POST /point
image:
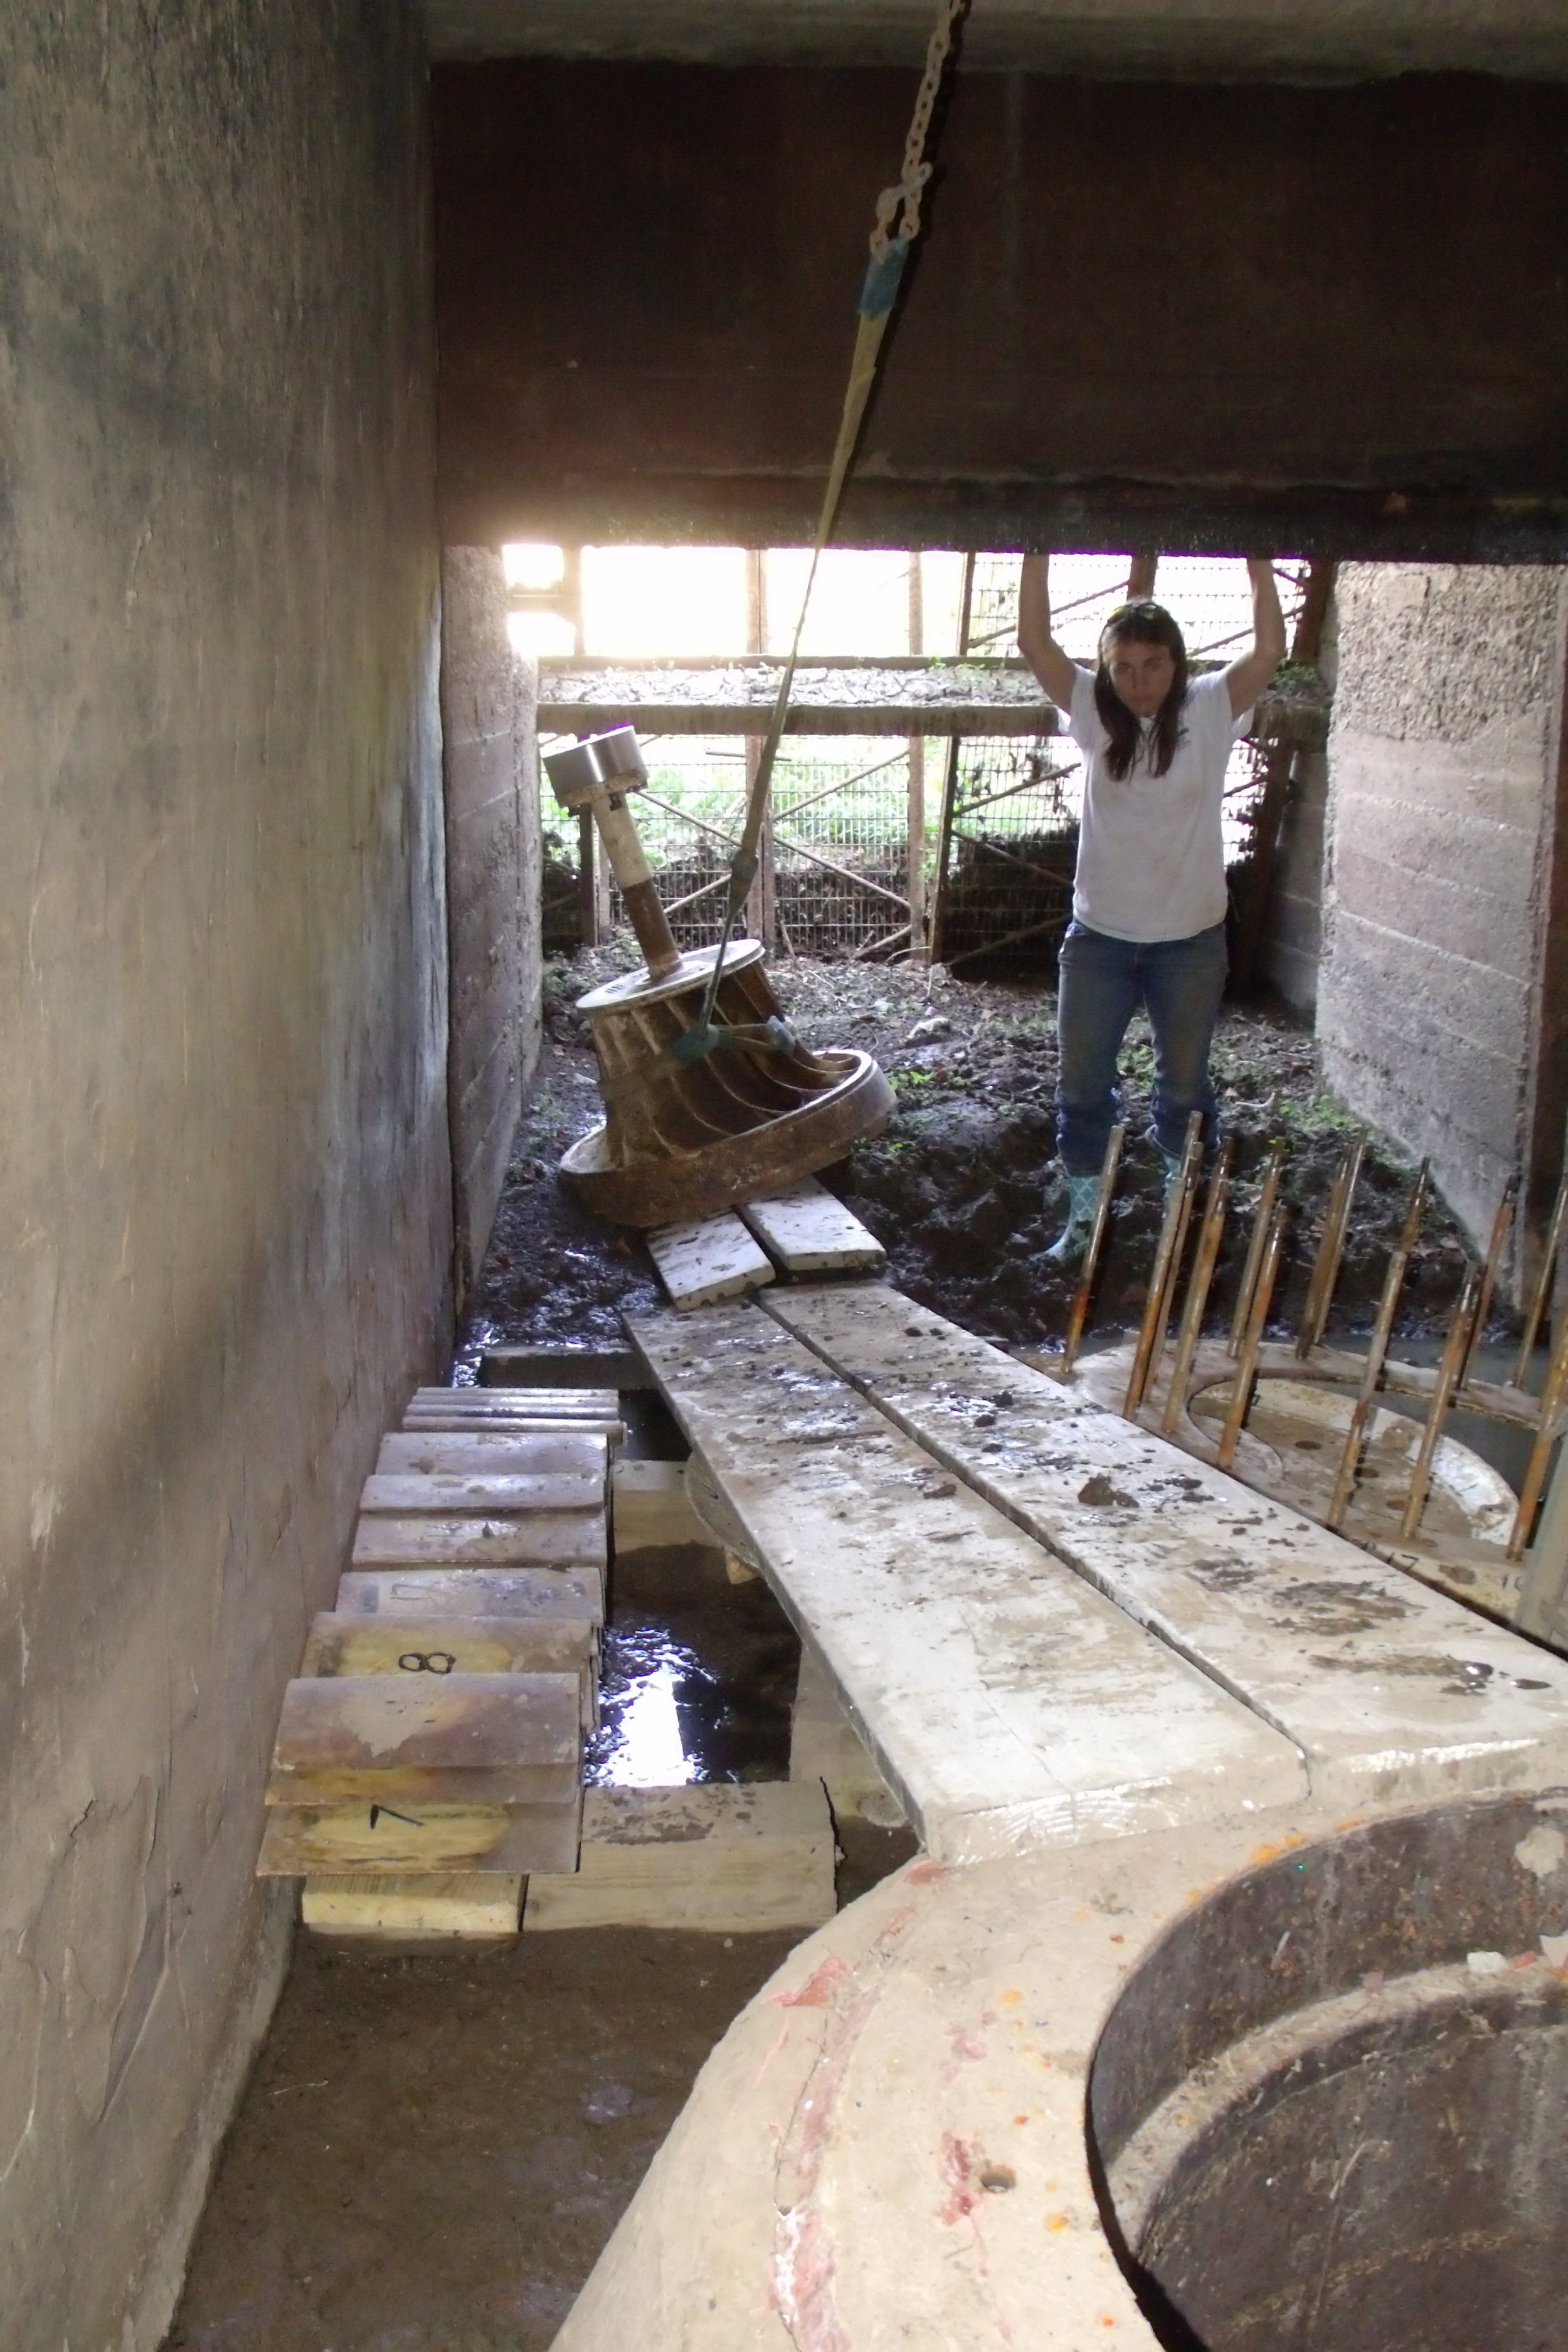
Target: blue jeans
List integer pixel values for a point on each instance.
(1102, 982)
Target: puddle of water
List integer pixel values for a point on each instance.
(641, 1742)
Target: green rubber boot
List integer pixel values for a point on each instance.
(1173, 1160)
(1072, 1243)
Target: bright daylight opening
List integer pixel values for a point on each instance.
(963, 842)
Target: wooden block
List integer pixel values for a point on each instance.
(463, 1494)
(825, 1746)
(351, 1644)
(494, 1453)
(519, 1403)
(429, 1738)
(649, 1508)
(564, 1367)
(805, 1231)
(436, 1423)
(512, 1839)
(542, 1538)
(562, 1592)
(518, 1412)
(733, 1861)
(412, 1909)
(712, 1258)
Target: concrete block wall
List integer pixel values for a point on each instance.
(1446, 934)
(493, 851)
(224, 1160)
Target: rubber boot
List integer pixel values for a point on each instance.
(1083, 1191)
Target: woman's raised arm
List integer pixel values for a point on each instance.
(1057, 671)
(1247, 677)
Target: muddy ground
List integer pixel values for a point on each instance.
(961, 1189)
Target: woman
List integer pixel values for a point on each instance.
(1148, 894)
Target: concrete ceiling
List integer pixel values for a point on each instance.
(1198, 39)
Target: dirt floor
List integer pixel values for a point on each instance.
(436, 2144)
(961, 1189)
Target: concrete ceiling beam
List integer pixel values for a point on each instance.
(1209, 40)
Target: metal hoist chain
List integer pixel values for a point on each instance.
(890, 249)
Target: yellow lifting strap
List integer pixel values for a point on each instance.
(891, 246)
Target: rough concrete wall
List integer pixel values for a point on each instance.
(490, 757)
(223, 1180)
(1293, 944)
(1444, 936)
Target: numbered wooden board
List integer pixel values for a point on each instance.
(437, 1591)
(497, 1539)
(349, 1642)
(494, 1452)
(455, 1493)
(511, 1840)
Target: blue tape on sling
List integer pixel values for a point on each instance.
(883, 271)
(770, 1036)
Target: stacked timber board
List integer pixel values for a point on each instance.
(430, 1752)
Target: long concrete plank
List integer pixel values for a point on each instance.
(1008, 1704)
(1392, 1691)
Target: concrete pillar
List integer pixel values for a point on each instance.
(1440, 1004)
(493, 854)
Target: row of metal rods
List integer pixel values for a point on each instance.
(1249, 1320)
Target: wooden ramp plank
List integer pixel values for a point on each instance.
(521, 1540)
(732, 1861)
(412, 1909)
(806, 1230)
(1390, 1689)
(468, 1493)
(1007, 1704)
(511, 1840)
(429, 1738)
(708, 1259)
(494, 1453)
(564, 1592)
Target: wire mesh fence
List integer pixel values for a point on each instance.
(837, 863)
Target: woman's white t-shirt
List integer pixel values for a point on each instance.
(1151, 860)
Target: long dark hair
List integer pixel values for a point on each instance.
(1144, 624)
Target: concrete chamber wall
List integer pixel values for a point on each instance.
(1441, 1001)
(489, 699)
(224, 1177)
